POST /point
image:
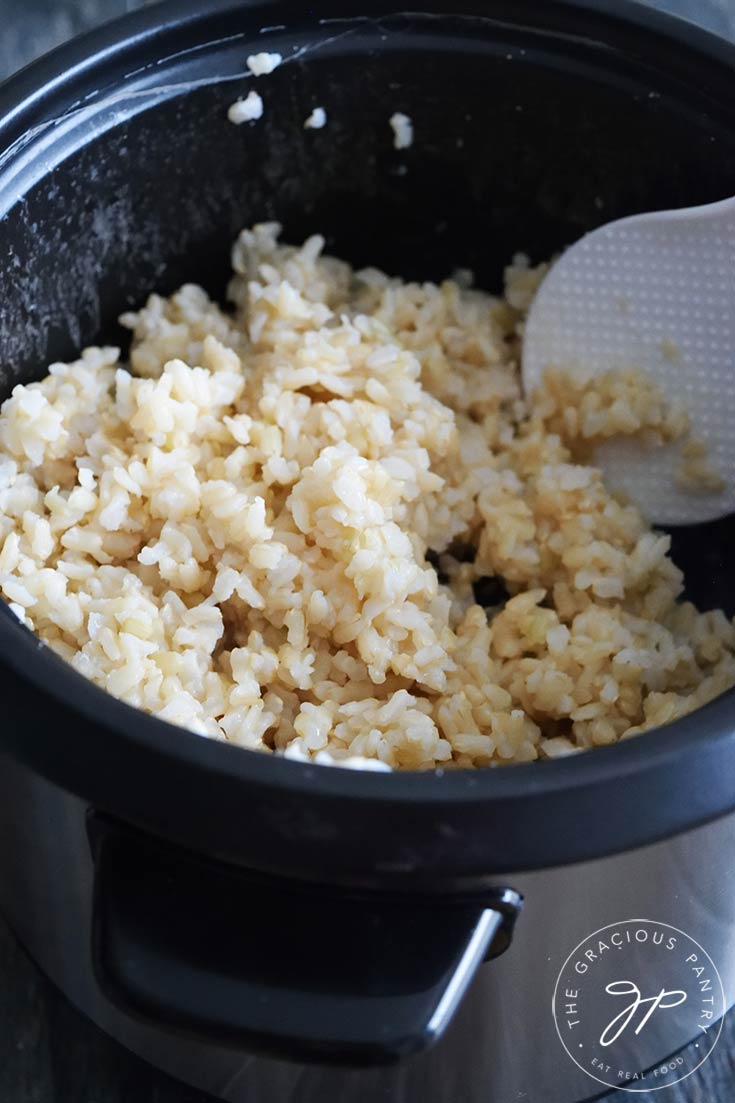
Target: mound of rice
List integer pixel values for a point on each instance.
(275, 527)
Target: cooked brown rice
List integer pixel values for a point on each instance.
(274, 530)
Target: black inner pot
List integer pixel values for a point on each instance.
(535, 120)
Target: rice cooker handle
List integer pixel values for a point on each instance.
(265, 964)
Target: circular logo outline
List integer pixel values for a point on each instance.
(647, 1088)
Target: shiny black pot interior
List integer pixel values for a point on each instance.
(534, 120)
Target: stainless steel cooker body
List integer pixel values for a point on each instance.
(503, 1043)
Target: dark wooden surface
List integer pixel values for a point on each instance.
(48, 1052)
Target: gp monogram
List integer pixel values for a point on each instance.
(622, 1021)
(630, 995)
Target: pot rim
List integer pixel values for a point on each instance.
(698, 747)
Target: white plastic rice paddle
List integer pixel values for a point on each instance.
(654, 292)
